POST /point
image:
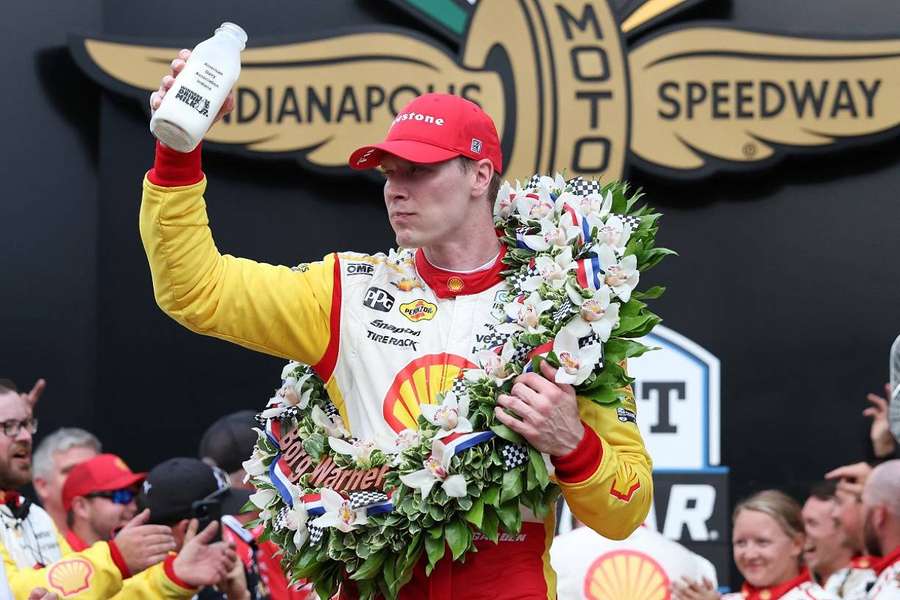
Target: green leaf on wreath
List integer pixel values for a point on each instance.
(649, 294)
(507, 434)
(458, 537)
(492, 496)
(434, 549)
(475, 515)
(512, 485)
(315, 445)
(510, 517)
(370, 567)
(490, 525)
(540, 467)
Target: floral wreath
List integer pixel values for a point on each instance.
(575, 251)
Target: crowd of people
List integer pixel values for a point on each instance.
(101, 530)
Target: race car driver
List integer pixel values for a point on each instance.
(371, 323)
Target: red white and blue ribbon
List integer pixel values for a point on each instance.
(541, 350)
(458, 442)
(313, 504)
(589, 273)
(579, 221)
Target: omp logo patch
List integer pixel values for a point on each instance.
(378, 299)
(418, 310)
(357, 268)
(626, 574)
(68, 577)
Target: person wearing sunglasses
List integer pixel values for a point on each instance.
(99, 497)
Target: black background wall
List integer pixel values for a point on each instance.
(788, 275)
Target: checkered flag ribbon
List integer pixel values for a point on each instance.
(331, 410)
(514, 455)
(493, 339)
(565, 309)
(580, 187)
(631, 221)
(362, 499)
(533, 183)
(521, 353)
(517, 279)
(459, 387)
(315, 533)
(279, 521)
(587, 340)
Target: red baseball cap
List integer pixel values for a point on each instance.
(434, 128)
(103, 473)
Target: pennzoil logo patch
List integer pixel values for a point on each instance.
(68, 577)
(418, 310)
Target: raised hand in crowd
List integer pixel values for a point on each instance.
(202, 562)
(165, 85)
(143, 545)
(851, 478)
(883, 442)
(234, 584)
(31, 398)
(690, 589)
(41, 593)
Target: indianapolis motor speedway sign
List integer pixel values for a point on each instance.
(571, 85)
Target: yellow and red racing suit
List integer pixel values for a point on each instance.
(386, 334)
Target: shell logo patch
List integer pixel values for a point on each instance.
(418, 310)
(71, 576)
(420, 382)
(626, 575)
(455, 284)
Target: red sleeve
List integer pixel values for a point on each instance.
(118, 559)
(175, 169)
(583, 461)
(169, 568)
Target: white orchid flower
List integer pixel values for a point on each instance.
(533, 206)
(596, 315)
(333, 426)
(553, 235)
(397, 443)
(296, 517)
(451, 415)
(494, 366)
(263, 499)
(595, 206)
(359, 450)
(614, 232)
(292, 391)
(525, 315)
(621, 275)
(553, 271)
(253, 466)
(435, 469)
(552, 183)
(575, 364)
(339, 513)
(288, 370)
(504, 204)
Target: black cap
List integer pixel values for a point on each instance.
(172, 487)
(229, 441)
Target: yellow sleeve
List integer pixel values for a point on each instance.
(154, 583)
(87, 575)
(272, 309)
(607, 480)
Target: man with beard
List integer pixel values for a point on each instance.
(36, 555)
(830, 555)
(54, 457)
(881, 527)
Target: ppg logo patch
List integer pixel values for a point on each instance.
(378, 299)
(476, 145)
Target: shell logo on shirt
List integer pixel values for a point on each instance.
(70, 576)
(417, 383)
(626, 575)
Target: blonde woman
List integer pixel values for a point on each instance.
(767, 542)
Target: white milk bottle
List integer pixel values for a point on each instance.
(192, 103)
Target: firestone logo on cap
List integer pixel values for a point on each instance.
(414, 116)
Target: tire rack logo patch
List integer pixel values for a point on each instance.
(591, 95)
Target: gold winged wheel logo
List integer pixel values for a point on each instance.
(566, 91)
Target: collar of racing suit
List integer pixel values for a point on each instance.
(887, 561)
(750, 592)
(449, 284)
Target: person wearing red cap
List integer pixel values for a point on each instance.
(35, 555)
(370, 324)
(99, 497)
